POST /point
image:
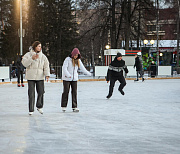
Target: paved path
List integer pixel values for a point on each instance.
(144, 121)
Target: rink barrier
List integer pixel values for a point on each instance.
(165, 70)
(4, 72)
(86, 80)
(101, 71)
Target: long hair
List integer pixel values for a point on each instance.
(75, 62)
(35, 44)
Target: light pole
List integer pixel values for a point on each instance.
(21, 48)
(145, 42)
(152, 42)
(157, 30)
(107, 47)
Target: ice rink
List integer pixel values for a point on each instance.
(144, 121)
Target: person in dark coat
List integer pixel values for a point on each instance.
(139, 66)
(20, 70)
(115, 72)
(0, 62)
(13, 69)
(153, 69)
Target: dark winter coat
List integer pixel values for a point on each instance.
(13, 66)
(116, 68)
(153, 70)
(138, 64)
(20, 67)
(0, 63)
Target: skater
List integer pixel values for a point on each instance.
(139, 66)
(20, 70)
(70, 76)
(37, 68)
(115, 72)
(13, 69)
(153, 69)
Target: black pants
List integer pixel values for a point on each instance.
(31, 93)
(20, 74)
(66, 87)
(153, 71)
(139, 73)
(122, 81)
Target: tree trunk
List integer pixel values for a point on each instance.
(113, 24)
(92, 49)
(128, 23)
(139, 28)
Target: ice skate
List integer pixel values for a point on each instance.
(64, 109)
(122, 92)
(19, 85)
(108, 96)
(75, 110)
(136, 80)
(22, 85)
(40, 110)
(31, 113)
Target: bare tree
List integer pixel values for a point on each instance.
(120, 17)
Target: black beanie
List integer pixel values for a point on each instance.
(119, 54)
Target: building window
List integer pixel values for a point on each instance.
(151, 27)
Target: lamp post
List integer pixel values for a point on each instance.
(157, 30)
(107, 56)
(145, 42)
(152, 42)
(21, 51)
(107, 46)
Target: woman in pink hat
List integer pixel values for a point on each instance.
(70, 76)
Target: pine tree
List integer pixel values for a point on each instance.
(58, 29)
(50, 21)
(10, 39)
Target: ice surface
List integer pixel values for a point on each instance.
(145, 120)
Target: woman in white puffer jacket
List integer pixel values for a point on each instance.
(37, 68)
(70, 77)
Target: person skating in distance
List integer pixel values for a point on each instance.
(115, 72)
(20, 70)
(139, 66)
(70, 76)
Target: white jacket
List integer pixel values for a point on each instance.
(69, 72)
(36, 69)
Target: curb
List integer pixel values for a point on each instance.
(85, 80)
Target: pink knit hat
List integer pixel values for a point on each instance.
(74, 52)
